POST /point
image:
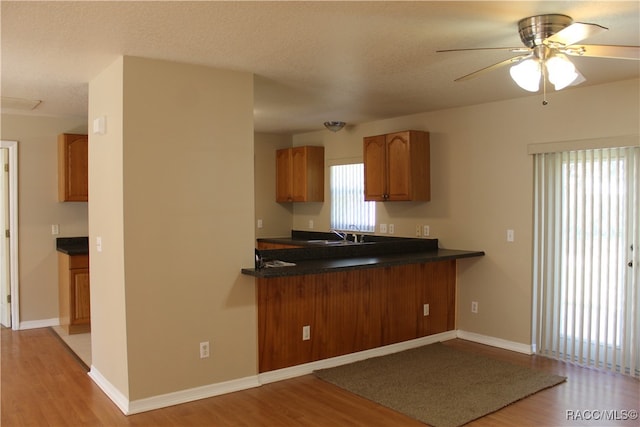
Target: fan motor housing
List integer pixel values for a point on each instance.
(534, 29)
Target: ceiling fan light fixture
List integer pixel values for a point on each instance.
(561, 71)
(334, 126)
(527, 74)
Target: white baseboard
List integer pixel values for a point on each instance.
(307, 368)
(121, 401)
(197, 393)
(164, 400)
(42, 323)
(496, 342)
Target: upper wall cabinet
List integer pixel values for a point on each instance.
(396, 167)
(73, 168)
(300, 174)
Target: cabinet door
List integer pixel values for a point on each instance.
(73, 168)
(283, 175)
(398, 166)
(375, 170)
(299, 180)
(300, 174)
(80, 296)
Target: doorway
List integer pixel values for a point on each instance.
(9, 316)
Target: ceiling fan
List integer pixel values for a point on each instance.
(548, 40)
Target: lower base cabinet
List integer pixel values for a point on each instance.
(73, 293)
(351, 311)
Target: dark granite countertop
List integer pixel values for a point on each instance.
(318, 266)
(375, 252)
(73, 245)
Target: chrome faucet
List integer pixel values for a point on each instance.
(340, 234)
(355, 236)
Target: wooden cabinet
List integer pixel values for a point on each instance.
(397, 167)
(73, 168)
(300, 174)
(271, 245)
(73, 293)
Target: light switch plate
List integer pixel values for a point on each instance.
(510, 236)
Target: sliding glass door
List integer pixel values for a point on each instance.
(587, 215)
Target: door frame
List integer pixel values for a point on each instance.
(12, 147)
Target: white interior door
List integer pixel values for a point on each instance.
(9, 315)
(5, 266)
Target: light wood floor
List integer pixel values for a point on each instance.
(43, 384)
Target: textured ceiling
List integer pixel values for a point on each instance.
(313, 61)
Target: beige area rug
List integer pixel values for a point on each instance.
(78, 344)
(439, 385)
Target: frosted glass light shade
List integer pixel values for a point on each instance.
(334, 126)
(561, 71)
(527, 74)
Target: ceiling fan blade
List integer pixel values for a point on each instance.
(521, 49)
(573, 34)
(604, 51)
(492, 67)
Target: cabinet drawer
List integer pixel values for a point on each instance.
(79, 261)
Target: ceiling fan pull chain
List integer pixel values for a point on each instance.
(544, 85)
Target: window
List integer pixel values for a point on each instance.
(349, 211)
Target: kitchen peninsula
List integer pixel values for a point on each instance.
(342, 297)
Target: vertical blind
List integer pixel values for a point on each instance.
(349, 211)
(587, 215)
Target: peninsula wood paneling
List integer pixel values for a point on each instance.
(351, 311)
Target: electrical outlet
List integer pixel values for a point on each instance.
(383, 228)
(259, 223)
(392, 228)
(55, 229)
(425, 310)
(425, 231)
(204, 349)
(474, 307)
(311, 224)
(306, 333)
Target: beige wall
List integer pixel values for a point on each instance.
(277, 218)
(106, 213)
(482, 181)
(185, 199)
(38, 209)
